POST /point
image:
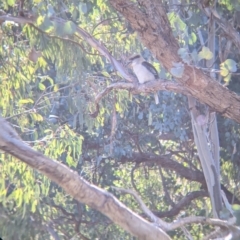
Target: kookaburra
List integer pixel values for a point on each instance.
(144, 71)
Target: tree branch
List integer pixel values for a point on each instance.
(150, 21)
(156, 220)
(148, 87)
(77, 187)
(184, 202)
(182, 221)
(226, 27)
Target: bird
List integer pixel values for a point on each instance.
(144, 71)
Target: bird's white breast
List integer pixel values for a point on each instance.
(142, 73)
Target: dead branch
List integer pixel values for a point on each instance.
(181, 221)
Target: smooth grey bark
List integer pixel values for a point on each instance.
(77, 187)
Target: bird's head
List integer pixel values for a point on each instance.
(135, 59)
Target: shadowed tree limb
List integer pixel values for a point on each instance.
(151, 23)
(154, 30)
(77, 187)
(224, 225)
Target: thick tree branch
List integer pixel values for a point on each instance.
(167, 163)
(151, 23)
(144, 208)
(184, 202)
(156, 35)
(77, 187)
(155, 216)
(150, 86)
(86, 36)
(182, 221)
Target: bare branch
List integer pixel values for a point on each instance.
(184, 202)
(148, 87)
(155, 219)
(227, 28)
(86, 36)
(182, 221)
(155, 33)
(77, 187)
(164, 184)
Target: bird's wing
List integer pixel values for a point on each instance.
(150, 68)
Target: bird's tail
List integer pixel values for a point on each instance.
(156, 98)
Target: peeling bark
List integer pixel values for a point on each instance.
(149, 19)
(77, 187)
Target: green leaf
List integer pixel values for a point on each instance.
(226, 68)
(75, 14)
(70, 161)
(34, 206)
(25, 101)
(10, 2)
(227, 78)
(230, 64)
(224, 71)
(58, 28)
(205, 53)
(105, 74)
(44, 23)
(41, 86)
(37, 117)
(192, 38)
(69, 28)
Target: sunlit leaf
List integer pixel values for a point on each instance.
(25, 101)
(44, 23)
(224, 71)
(192, 38)
(230, 64)
(205, 53)
(11, 2)
(34, 206)
(41, 86)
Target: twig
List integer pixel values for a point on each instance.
(155, 219)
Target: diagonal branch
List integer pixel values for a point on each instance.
(145, 209)
(184, 202)
(226, 26)
(77, 187)
(235, 231)
(85, 35)
(155, 33)
(151, 23)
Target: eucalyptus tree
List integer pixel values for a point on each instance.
(68, 93)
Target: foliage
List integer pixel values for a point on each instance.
(49, 79)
